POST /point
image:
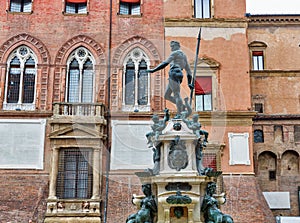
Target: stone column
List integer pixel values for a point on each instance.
(96, 174)
(53, 174)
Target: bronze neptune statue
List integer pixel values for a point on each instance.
(178, 62)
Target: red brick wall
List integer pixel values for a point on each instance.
(121, 189)
(245, 201)
(23, 197)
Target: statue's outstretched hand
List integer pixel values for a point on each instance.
(150, 71)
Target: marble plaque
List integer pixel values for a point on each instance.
(22, 143)
(278, 200)
(239, 148)
(129, 145)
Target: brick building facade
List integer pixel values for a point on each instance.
(76, 102)
(274, 92)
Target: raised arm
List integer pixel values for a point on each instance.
(162, 65)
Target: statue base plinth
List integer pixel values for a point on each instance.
(178, 179)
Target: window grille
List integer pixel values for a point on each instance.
(136, 81)
(259, 107)
(21, 79)
(210, 160)
(29, 81)
(258, 136)
(82, 8)
(76, 8)
(20, 5)
(80, 77)
(130, 8)
(14, 81)
(74, 81)
(75, 174)
(130, 83)
(27, 6)
(87, 82)
(143, 83)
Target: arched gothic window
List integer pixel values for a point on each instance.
(136, 82)
(20, 80)
(80, 78)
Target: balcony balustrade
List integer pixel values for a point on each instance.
(78, 109)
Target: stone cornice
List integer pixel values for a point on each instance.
(229, 118)
(273, 20)
(275, 73)
(262, 117)
(26, 114)
(215, 118)
(217, 23)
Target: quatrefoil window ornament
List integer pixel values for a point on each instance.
(81, 53)
(23, 51)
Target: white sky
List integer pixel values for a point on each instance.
(273, 6)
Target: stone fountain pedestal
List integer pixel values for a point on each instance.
(177, 183)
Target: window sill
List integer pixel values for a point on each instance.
(75, 14)
(18, 107)
(129, 16)
(19, 13)
(136, 108)
(210, 18)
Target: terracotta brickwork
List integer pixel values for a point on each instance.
(224, 53)
(244, 196)
(53, 35)
(276, 89)
(23, 197)
(121, 189)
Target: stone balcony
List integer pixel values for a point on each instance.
(78, 109)
(87, 114)
(77, 126)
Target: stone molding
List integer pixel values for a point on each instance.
(25, 38)
(74, 42)
(118, 57)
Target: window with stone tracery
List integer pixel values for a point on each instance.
(136, 82)
(80, 78)
(20, 83)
